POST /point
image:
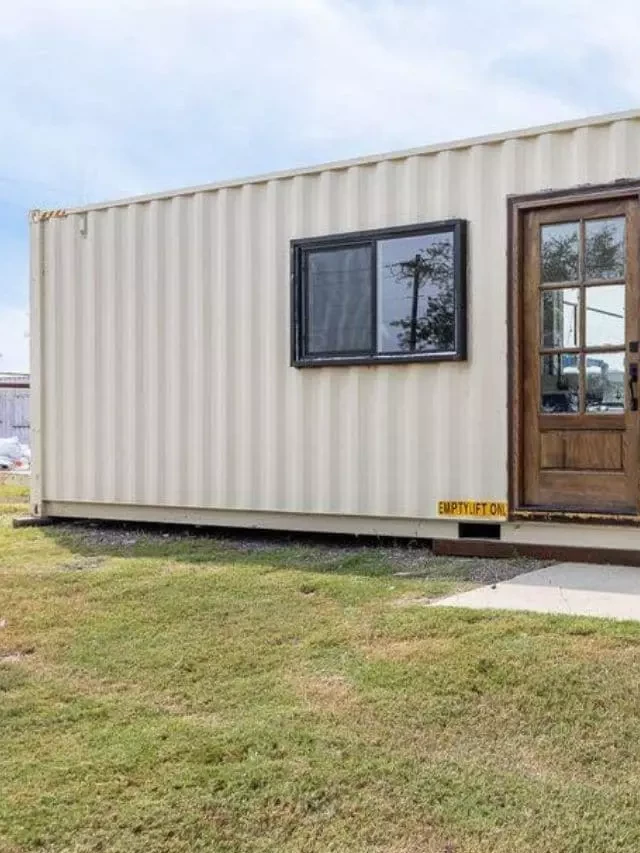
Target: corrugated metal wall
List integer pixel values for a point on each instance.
(164, 349)
(14, 413)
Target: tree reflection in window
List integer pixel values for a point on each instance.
(604, 249)
(393, 294)
(560, 252)
(418, 299)
(578, 320)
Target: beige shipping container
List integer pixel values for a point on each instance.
(163, 387)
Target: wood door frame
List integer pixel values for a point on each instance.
(517, 207)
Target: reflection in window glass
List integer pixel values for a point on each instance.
(559, 383)
(560, 317)
(339, 294)
(605, 315)
(416, 298)
(604, 248)
(560, 252)
(605, 379)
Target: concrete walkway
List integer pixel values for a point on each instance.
(576, 589)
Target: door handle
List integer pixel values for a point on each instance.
(633, 382)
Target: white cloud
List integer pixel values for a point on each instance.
(14, 342)
(115, 97)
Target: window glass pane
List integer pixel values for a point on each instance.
(605, 382)
(559, 383)
(416, 294)
(605, 315)
(604, 248)
(560, 252)
(339, 301)
(560, 317)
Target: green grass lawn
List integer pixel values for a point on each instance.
(13, 490)
(185, 694)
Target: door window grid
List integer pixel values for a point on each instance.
(582, 357)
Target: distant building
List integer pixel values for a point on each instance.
(14, 406)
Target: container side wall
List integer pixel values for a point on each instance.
(164, 341)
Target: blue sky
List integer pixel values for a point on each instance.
(103, 98)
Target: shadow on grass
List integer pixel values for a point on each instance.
(368, 556)
(277, 550)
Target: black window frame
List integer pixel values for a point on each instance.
(299, 249)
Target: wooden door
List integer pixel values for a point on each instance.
(579, 350)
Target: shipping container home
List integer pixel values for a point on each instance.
(14, 406)
(439, 343)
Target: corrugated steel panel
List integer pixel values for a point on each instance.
(14, 413)
(164, 339)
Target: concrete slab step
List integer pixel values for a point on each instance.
(575, 589)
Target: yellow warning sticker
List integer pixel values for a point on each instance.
(474, 509)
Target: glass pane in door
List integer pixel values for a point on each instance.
(560, 317)
(559, 383)
(605, 379)
(605, 315)
(560, 249)
(604, 248)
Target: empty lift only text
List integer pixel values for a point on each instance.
(495, 510)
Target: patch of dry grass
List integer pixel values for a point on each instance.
(326, 694)
(14, 489)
